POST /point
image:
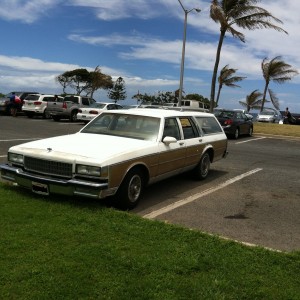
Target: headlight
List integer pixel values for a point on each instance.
(88, 170)
(15, 158)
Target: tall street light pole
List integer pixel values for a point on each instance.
(183, 50)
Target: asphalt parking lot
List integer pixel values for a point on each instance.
(252, 196)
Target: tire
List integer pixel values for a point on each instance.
(73, 117)
(131, 189)
(202, 169)
(250, 133)
(46, 115)
(56, 118)
(236, 134)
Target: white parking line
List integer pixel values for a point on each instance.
(198, 195)
(1, 156)
(261, 138)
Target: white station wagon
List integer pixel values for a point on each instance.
(119, 153)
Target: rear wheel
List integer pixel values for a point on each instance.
(236, 134)
(46, 114)
(73, 117)
(202, 169)
(131, 189)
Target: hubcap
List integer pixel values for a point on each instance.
(134, 188)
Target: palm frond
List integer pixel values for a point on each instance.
(274, 99)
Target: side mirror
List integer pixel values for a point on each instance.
(168, 140)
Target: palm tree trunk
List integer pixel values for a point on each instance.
(264, 96)
(214, 76)
(218, 96)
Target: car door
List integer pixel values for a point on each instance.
(171, 157)
(193, 142)
(245, 123)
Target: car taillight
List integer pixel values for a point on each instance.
(37, 103)
(79, 110)
(228, 122)
(93, 112)
(64, 105)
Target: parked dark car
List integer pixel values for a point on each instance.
(5, 105)
(234, 123)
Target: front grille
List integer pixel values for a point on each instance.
(48, 167)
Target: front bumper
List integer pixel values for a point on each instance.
(48, 185)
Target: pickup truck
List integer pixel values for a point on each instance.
(68, 107)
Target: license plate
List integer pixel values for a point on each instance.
(40, 188)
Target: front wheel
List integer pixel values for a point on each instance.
(250, 131)
(131, 189)
(202, 169)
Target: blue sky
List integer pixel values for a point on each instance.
(140, 40)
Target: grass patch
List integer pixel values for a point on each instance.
(64, 248)
(277, 129)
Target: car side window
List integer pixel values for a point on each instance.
(188, 128)
(92, 101)
(208, 125)
(171, 128)
(85, 101)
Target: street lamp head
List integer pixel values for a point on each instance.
(197, 10)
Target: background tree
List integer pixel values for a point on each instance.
(278, 71)
(79, 79)
(117, 92)
(98, 80)
(226, 78)
(63, 81)
(138, 97)
(84, 81)
(253, 100)
(165, 97)
(244, 14)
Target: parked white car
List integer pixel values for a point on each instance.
(269, 115)
(86, 114)
(118, 153)
(36, 104)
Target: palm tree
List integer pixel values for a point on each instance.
(278, 71)
(242, 13)
(227, 79)
(253, 100)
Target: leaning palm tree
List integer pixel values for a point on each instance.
(253, 100)
(242, 13)
(226, 78)
(278, 71)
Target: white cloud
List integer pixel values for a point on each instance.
(25, 11)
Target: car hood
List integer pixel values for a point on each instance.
(83, 147)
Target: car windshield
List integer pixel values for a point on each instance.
(97, 105)
(124, 125)
(269, 113)
(32, 97)
(224, 114)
